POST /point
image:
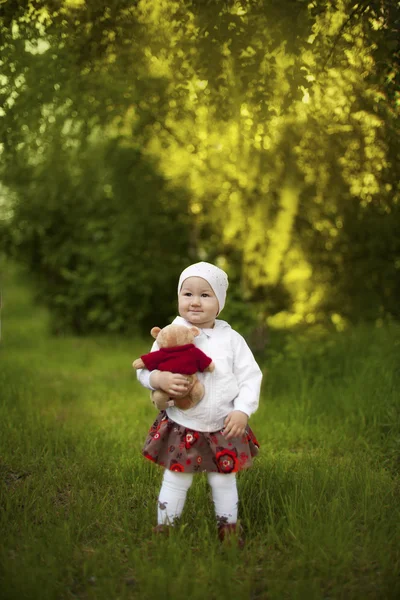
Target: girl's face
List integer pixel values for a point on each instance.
(197, 302)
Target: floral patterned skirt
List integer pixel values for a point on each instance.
(178, 448)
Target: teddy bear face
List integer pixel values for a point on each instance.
(174, 335)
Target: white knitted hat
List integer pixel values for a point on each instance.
(216, 277)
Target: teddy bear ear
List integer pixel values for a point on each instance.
(155, 331)
(195, 330)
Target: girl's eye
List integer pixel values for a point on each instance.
(187, 294)
(206, 295)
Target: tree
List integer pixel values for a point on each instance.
(278, 119)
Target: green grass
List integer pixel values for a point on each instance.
(321, 507)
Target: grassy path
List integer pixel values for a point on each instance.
(321, 507)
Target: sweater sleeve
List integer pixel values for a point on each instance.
(202, 359)
(248, 375)
(152, 359)
(143, 375)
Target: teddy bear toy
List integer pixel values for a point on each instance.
(177, 354)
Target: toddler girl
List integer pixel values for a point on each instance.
(212, 436)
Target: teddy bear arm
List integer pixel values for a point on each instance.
(210, 368)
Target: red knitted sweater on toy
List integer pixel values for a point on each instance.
(185, 359)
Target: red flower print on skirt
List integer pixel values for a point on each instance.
(147, 455)
(178, 448)
(227, 460)
(175, 466)
(191, 438)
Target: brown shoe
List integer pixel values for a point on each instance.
(230, 532)
(161, 529)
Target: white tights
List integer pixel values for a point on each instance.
(171, 499)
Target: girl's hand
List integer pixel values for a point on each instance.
(174, 384)
(235, 424)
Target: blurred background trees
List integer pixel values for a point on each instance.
(139, 136)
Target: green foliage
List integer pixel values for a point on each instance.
(270, 126)
(93, 229)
